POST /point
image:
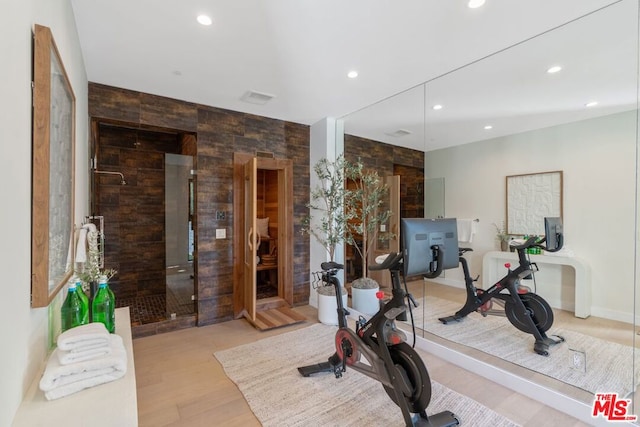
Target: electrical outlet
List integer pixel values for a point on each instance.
(221, 233)
(578, 360)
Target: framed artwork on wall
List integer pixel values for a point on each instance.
(531, 198)
(53, 163)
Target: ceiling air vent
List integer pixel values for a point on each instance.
(253, 97)
(399, 133)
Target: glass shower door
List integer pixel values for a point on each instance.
(179, 235)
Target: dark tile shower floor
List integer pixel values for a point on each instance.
(155, 308)
(145, 309)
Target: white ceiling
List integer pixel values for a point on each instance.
(301, 50)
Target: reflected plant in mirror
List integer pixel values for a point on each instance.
(502, 237)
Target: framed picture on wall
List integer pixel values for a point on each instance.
(53, 163)
(531, 198)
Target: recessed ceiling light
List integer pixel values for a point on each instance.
(488, 127)
(352, 74)
(204, 20)
(437, 107)
(475, 3)
(554, 69)
(591, 104)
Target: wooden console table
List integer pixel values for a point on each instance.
(111, 404)
(493, 270)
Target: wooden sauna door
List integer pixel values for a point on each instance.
(246, 169)
(250, 238)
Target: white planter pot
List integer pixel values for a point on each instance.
(328, 308)
(365, 300)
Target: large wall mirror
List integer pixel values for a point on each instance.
(505, 115)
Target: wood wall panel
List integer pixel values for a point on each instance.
(211, 119)
(168, 113)
(407, 163)
(114, 103)
(411, 191)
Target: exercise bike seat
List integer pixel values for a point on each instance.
(331, 265)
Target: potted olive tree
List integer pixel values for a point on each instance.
(364, 206)
(326, 222)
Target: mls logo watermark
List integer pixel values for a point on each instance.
(612, 408)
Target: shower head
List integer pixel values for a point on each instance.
(122, 181)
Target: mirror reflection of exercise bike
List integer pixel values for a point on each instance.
(527, 311)
(379, 350)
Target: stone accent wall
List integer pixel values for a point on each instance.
(407, 163)
(219, 133)
(380, 156)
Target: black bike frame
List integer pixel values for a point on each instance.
(509, 283)
(375, 349)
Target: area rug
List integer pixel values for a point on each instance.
(266, 373)
(608, 367)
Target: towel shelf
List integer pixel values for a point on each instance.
(79, 409)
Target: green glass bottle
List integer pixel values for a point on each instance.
(112, 313)
(71, 311)
(102, 306)
(85, 302)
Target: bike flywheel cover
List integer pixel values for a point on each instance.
(344, 338)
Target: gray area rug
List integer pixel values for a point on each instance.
(266, 373)
(609, 366)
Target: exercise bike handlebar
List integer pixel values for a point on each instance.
(533, 242)
(392, 261)
(529, 243)
(439, 257)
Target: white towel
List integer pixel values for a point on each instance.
(81, 246)
(84, 337)
(80, 355)
(62, 380)
(466, 229)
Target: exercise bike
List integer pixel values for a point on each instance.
(525, 310)
(389, 359)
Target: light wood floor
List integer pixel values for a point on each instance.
(180, 383)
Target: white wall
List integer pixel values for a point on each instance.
(598, 160)
(24, 331)
(326, 141)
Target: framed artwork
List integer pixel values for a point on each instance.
(53, 163)
(531, 198)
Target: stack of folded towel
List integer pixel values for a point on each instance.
(86, 356)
